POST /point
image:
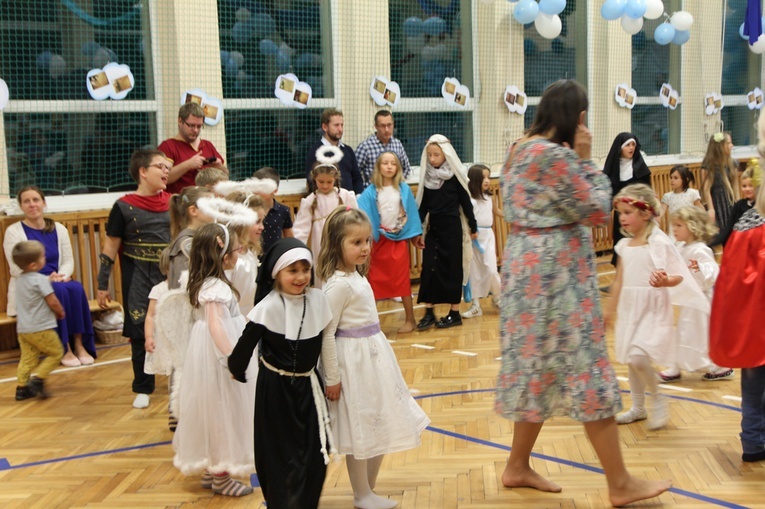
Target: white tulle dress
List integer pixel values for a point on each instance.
(375, 414)
(215, 430)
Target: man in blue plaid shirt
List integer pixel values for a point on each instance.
(382, 141)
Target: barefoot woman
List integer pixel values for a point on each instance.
(554, 359)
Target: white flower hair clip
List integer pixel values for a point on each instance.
(226, 212)
(249, 186)
(329, 155)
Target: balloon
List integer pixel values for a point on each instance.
(282, 62)
(525, 11)
(243, 14)
(632, 25)
(263, 25)
(664, 34)
(552, 7)
(224, 55)
(653, 9)
(89, 48)
(548, 26)
(741, 32)
(681, 20)
(241, 32)
(681, 37)
(759, 46)
(237, 57)
(434, 26)
(613, 9)
(635, 8)
(43, 59)
(413, 27)
(268, 47)
(57, 66)
(232, 70)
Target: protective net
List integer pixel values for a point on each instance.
(71, 130)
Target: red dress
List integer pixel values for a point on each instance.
(737, 335)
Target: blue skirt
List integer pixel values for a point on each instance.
(78, 319)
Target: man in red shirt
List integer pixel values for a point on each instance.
(187, 151)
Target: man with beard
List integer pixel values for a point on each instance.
(187, 151)
(332, 125)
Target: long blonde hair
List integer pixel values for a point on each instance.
(255, 203)
(335, 230)
(377, 178)
(643, 198)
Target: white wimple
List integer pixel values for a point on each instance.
(226, 212)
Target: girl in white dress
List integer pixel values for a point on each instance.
(650, 278)
(693, 229)
(375, 413)
(215, 435)
(314, 208)
(245, 273)
(681, 195)
(484, 277)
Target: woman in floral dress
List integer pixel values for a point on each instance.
(554, 359)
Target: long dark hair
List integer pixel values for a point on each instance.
(559, 109)
(206, 258)
(475, 181)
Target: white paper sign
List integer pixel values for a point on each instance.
(455, 93)
(113, 81)
(292, 92)
(384, 92)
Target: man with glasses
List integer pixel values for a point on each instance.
(381, 141)
(187, 151)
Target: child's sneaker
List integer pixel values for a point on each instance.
(631, 415)
(720, 374)
(659, 412)
(24, 392)
(37, 385)
(668, 376)
(475, 310)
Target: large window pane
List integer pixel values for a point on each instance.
(74, 153)
(47, 48)
(414, 129)
(429, 41)
(650, 123)
(260, 41)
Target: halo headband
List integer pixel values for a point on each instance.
(290, 257)
(226, 241)
(249, 186)
(638, 204)
(226, 212)
(329, 155)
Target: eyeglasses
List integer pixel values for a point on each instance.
(194, 127)
(159, 166)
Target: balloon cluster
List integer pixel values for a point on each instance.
(759, 46)
(544, 14)
(675, 30)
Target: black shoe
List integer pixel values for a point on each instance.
(449, 321)
(752, 457)
(23, 393)
(38, 386)
(428, 321)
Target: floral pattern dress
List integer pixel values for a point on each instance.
(554, 358)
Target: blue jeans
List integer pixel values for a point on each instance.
(753, 410)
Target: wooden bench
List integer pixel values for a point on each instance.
(87, 233)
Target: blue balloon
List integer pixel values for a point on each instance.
(613, 9)
(241, 32)
(43, 59)
(268, 47)
(232, 69)
(741, 32)
(664, 34)
(552, 7)
(224, 56)
(681, 37)
(262, 25)
(434, 26)
(90, 48)
(283, 62)
(635, 8)
(526, 11)
(413, 27)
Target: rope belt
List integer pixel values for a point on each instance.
(325, 431)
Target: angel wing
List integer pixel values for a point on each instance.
(173, 325)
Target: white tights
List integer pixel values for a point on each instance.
(642, 377)
(363, 476)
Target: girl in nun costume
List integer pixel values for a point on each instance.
(624, 166)
(291, 418)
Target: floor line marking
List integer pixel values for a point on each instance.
(462, 352)
(423, 347)
(75, 368)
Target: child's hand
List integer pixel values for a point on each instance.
(659, 278)
(474, 236)
(693, 265)
(333, 392)
(418, 242)
(60, 315)
(149, 345)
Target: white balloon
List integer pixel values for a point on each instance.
(654, 9)
(632, 25)
(548, 26)
(759, 46)
(681, 20)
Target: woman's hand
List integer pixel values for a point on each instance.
(583, 142)
(55, 277)
(333, 392)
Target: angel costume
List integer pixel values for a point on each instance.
(290, 411)
(447, 214)
(645, 317)
(484, 277)
(309, 221)
(243, 278)
(375, 414)
(215, 430)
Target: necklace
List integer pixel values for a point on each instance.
(294, 344)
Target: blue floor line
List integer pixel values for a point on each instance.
(5, 465)
(102, 347)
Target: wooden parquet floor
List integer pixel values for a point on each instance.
(86, 447)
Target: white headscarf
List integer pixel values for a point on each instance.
(452, 161)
